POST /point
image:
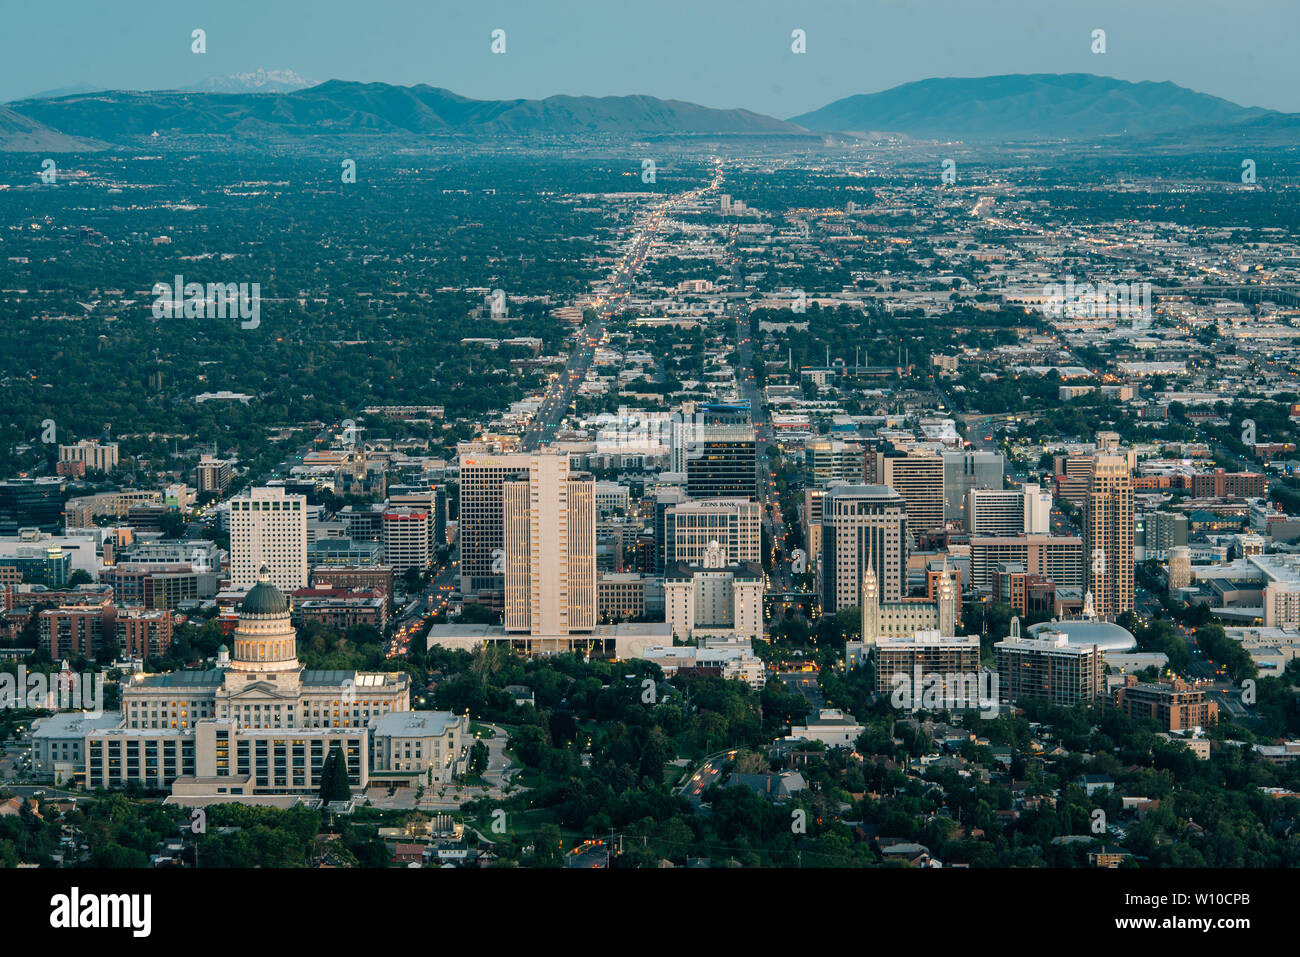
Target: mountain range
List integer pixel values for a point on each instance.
(1027, 107)
(1033, 107)
(380, 110)
(260, 80)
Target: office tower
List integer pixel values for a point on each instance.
(1108, 536)
(482, 555)
(688, 425)
(664, 499)
(549, 529)
(918, 477)
(717, 450)
(997, 512)
(812, 521)
(406, 539)
(963, 471)
(1038, 510)
(830, 460)
(1055, 557)
(268, 527)
(427, 497)
(364, 523)
(612, 498)
(32, 503)
(734, 523)
(861, 524)
(724, 465)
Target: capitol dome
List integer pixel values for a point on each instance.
(264, 598)
(265, 640)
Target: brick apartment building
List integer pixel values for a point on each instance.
(1175, 706)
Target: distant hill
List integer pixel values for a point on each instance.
(63, 91)
(22, 134)
(1028, 107)
(339, 108)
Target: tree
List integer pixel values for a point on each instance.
(334, 777)
(478, 758)
(549, 846)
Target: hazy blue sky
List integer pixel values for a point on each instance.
(721, 53)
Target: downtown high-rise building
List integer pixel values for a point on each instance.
(406, 538)
(995, 511)
(1055, 557)
(429, 498)
(549, 534)
(1157, 533)
(716, 448)
(862, 524)
(1038, 510)
(964, 471)
(735, 524)
(918, 477)
(479, 529)
(1108, 535)
(832, 460)
(268, 526)
(664, 499)
(1018, 511)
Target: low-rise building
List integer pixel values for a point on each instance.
(831, 726)
(418, 747)
(1175, 705)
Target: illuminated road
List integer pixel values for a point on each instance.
(563, 388)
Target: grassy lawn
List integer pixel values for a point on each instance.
(481, 730)
(526, 777)
(524, 826)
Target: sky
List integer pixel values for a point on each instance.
(719, 53)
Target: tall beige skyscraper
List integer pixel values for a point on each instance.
(1108, 535)
(268, 527)
(549, 536)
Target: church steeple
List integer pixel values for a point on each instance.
(870, 604)
(947, 601)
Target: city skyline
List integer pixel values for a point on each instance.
(812, 479)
